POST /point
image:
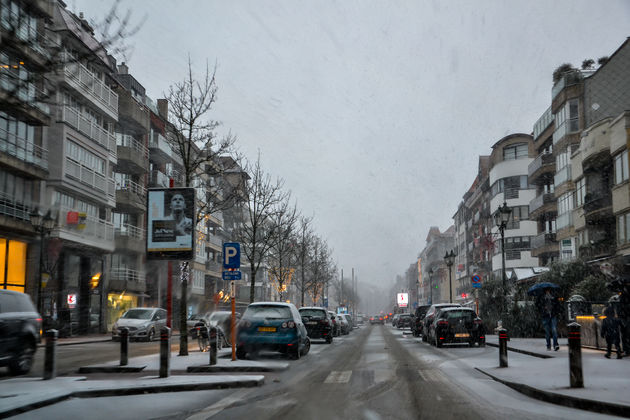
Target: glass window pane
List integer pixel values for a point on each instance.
(16, 267)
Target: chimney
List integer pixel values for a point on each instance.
(162, 105)
(123, 69)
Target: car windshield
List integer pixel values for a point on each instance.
(267, 312)
(138, 314)
(467, 315)
(313, 313)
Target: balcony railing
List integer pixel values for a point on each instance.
(90, 84)
(88, 127)
(11, 207)
(543, 239)
(125, 140)
(25, 150)
(85, 175)
(596, 201)
(213, 266)
(91, 228)
(564, 220)
(133, 187)
(215, 240)
(597, 250)
(159, 178)
(540, 201)
(543, 122)
(158, 141)
(130, 231)
(545, 159)
(128, 274)
(562, 176)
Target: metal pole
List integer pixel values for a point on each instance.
(575, 356)
(41, 265)
(431, 287)
(233, 321)
(124, 346)
(450, 284)
(503, 355)
(502, 229)
(50, 358)
(165, 352)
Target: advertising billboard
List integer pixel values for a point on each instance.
(403, 300)
(170, 223)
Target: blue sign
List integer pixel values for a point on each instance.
(231, 275)
(325, 302)
(476, 282)
(231, 256)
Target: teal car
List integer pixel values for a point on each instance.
(274, 326)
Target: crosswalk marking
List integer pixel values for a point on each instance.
(338, 377)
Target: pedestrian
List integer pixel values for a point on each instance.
(610, 331)
(549, 307)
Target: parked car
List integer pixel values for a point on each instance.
(275, 326)
(223, 321)
(344, 327)
(428, 318)
(317, 322)
(20, 329)
(395, 320)
(458, 325)
(143, 323)
(404, 321)
(193, 320)
(336, 324)
(377, 319)
(417, 323)
(349, 320)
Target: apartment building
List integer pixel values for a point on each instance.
(23, 148)
(435, 287)
(508, 182)
(81, 185)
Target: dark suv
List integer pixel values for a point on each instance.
(317, 322)
(418, 320)
(428, 318)
(20, 326)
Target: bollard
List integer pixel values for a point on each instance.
(503, 339)
(124, 346)
(213, 337)
(50, 358)
(165, 352)
(575, 356)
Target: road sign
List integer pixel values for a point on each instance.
(231, 275)
(231, 255)
(476, 281)
(402, 299)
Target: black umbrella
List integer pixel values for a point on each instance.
(539, 288)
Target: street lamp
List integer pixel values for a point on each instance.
(431, 286)
(449, 259)
(42, 225)
(501, 219)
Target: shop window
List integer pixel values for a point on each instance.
(13, 265)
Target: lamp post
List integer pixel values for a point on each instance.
(501, 219)
(42, 225)
(449, 259)
(431, 286)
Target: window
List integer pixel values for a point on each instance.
(85, 157)
(515, 151)
(623, 229)
(510, 185)
(520, 213)
(580, 192)
(621, 167)
(565, 203)
(12, 264)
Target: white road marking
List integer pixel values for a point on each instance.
(424, 378)
(219, 406)
(338, 377)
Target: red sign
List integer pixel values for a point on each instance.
(72, 218)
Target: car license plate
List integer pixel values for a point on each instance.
(462, 335)
(311, 323)
(267, 329)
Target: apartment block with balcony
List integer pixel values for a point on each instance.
(508, 180)
(80, 188)
(543, 208)
(128, 281)
(435, 281)
(23, 145)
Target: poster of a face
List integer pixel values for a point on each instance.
(170, 220)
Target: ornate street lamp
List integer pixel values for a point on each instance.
(449, 259)
(501, 219)
(42, 225)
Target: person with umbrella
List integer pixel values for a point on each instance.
(549, 308)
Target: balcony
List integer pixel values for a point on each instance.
(132, 112)
(543, 122)
(87, 176)
(13, 208)
(33, 159)
(161, 149)
(130, 197)
(544, 243)
(597, 250)
(214, 266)
(126, 279)
(563, 175)
(544, 203)
(597, 207)
(564, 220)
(90, 86)
(92, 130)
(133, 156)
(88, 231)
(543, 164)
(158, 179)
(130, 238)
(216, 241)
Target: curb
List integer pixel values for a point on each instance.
(114, 392)
(223, 369)
(565, 400)
(527, 352)
(111, 369)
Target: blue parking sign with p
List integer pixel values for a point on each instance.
(231, 255)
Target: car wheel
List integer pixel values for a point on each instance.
(24, 362)
(151, 335)
(437, 342)
(240, 353)
(307, 347)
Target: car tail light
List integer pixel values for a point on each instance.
(284, 325)
(441, 338)
(443, 323)
(291, 324)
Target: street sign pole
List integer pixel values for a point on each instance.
(233, 332)
(231, 264)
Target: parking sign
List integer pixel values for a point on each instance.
(231, 255)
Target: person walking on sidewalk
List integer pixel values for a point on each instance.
(610, 331)
(549, 307)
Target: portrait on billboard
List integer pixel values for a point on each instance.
(170, 221)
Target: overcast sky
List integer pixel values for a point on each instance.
(373, 112)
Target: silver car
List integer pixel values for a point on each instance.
(143, 323)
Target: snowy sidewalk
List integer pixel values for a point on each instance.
(606, 381)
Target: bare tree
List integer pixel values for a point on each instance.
(283, 244)
(256, 233)
(321, 269)
(195, 140)
(303, 255)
